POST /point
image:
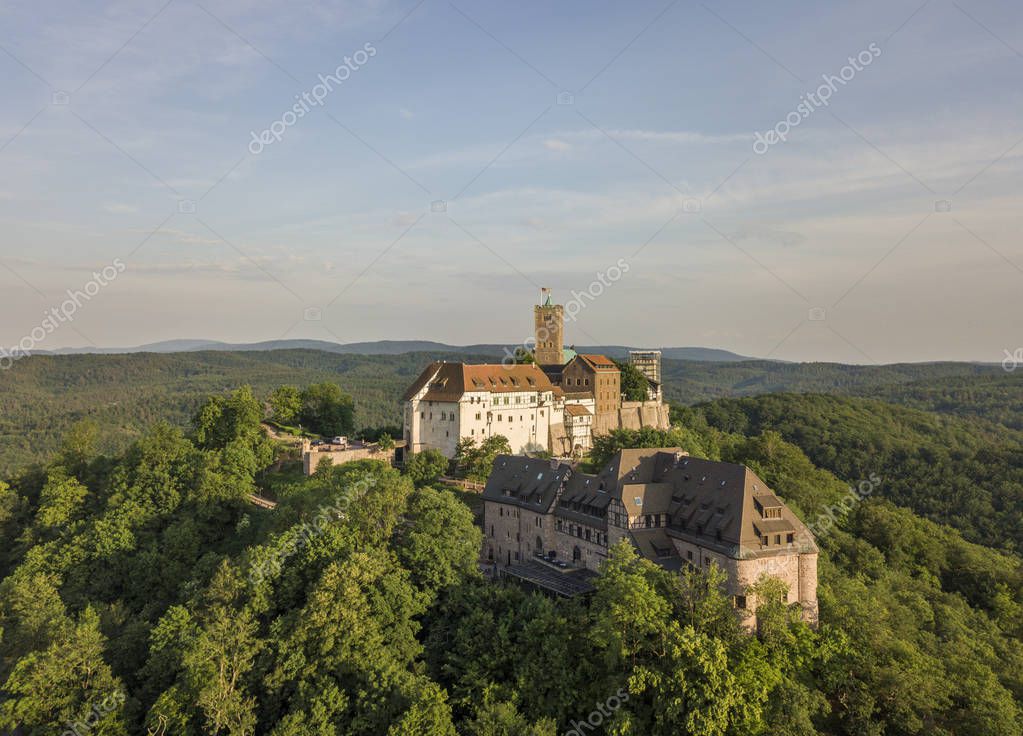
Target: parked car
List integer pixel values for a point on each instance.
(339, 441)
(316, 443)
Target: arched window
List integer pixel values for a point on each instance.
(576, 554)
(539, 544)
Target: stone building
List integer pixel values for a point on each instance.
(451, 401)
(549, 328)
(557, 407)
(597, 375)
(542, 519)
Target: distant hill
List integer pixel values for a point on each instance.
(954, 470)
(42, 395)
(389, 347)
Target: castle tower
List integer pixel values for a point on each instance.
(549, 321)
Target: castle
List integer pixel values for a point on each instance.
(549, 526)
(557, 403)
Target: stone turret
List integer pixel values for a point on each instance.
(549, 322)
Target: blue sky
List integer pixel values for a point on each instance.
(828, 246)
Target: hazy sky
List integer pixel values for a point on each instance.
(119, 119)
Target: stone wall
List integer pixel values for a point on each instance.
(591, 553)
(311, 457)
(632, 415)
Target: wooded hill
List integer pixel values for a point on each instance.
(142, 594)
(42, 396)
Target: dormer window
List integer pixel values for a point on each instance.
(768, 506)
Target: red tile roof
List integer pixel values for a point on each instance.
(599, 362)
(449, 381)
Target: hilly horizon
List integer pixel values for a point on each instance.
(390, 347)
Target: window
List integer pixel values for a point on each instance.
(777, 538)
(739, 601)
(689, 554)
(491, 530)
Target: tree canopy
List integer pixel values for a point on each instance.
(140, 593)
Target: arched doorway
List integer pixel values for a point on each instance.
(576, 554)
(539, 544)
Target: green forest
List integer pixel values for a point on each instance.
(141, 593)
(42, 396)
